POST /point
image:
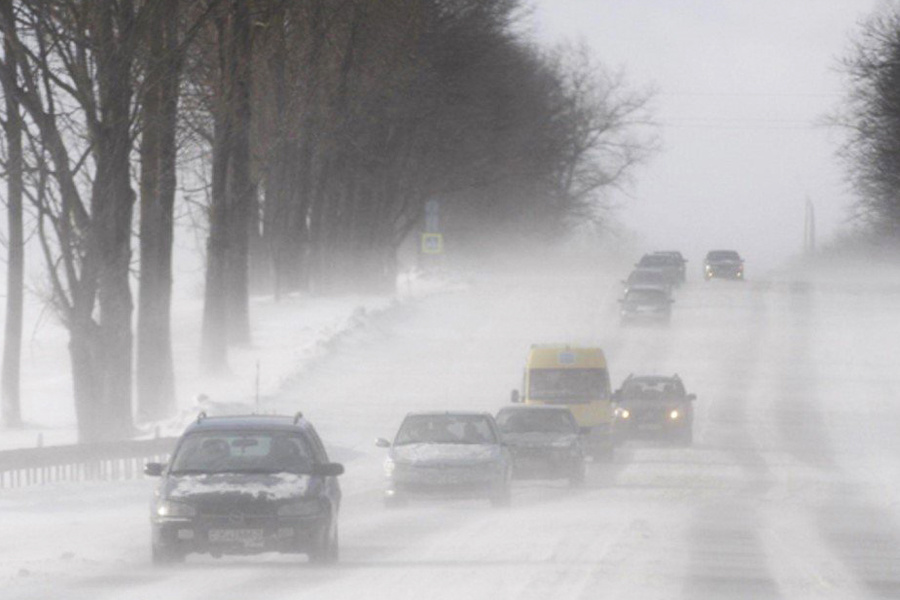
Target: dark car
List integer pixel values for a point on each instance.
(447, 454)
(723, 264)
(646, 305)
(677, 259)
(657, 406)
(245, 485)
(648, 278)
(670, 265)
(544, 441)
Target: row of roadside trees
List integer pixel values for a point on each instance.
(317, 131)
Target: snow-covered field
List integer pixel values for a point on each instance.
(792, 489)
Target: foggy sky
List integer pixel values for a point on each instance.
(743, 88)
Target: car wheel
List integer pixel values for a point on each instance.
(503, 496)
(161, 556)
(685, 437)
(578, 475)
(326, 548)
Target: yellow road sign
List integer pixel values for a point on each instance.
(432, 243)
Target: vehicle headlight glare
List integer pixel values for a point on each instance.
(299, 509)
(674, 415)
(625, 414)
(170, 509)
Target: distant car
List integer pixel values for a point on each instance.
(447, 454)
(678, 259)
(245, 485)
(670, 265)
(648, 278)
(544, 441)
(646, 304)
(655, 405)
(723, 264)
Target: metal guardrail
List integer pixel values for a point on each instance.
(106, 461)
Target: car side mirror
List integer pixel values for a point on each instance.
(154, 469)
(691, 397)
(382, 443)
(328, 469)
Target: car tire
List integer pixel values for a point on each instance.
(685, 437)
(326, 550)
(578, 475)
(503, 496)
(161, 556)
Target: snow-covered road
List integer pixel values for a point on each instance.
(792, 489)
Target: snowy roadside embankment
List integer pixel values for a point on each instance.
(286, 335)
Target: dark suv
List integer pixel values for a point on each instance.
(723, 264)
(245, 485)
(655, 405)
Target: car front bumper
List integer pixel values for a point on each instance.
(244, 535)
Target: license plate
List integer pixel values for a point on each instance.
(248, 537)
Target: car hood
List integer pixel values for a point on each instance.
(426, 455)
(536, 439)
(268, 486)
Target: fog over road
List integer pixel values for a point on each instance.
(790, 490)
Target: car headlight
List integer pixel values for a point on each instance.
(624, 413)
(674, 415)
(175, 510)
(306, 508)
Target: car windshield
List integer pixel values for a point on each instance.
(647, 277)
(645, 297)
(723, 255)
(650, 388)
(656, 260)
(536, 421)
(445, 429)
(565, 386)
(242, 452)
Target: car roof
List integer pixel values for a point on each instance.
(449, 413)
(534, 407)
(250, 423)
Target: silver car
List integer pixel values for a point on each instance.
(447, 454)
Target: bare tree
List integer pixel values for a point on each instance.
(871, 114)
(87, 53)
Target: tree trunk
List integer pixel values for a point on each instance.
(240, 191)
(11, 412)
(155, 370)
(112, 204)
(214, 343)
